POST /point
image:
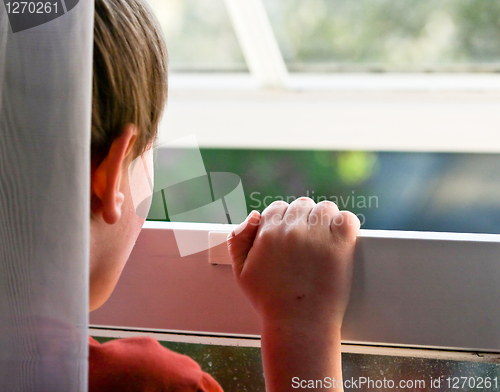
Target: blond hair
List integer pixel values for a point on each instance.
(130, 74)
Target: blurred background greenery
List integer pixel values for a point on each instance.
(342, 35)
(447, 192)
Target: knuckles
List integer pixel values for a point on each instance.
(277, 205)
(283, 223)
(327, 205)
(303, 202)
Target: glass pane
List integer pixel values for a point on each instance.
(199, 35)
(378, 35)
(239, 369)
(448, 192)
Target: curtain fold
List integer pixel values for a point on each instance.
(45, 112)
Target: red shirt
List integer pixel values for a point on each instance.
(142, 364)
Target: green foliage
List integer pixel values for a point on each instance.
(330, 35)
(388, 34)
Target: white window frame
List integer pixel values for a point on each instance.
(191, 338)
(237, 115)
(373, 112)
(411, 289)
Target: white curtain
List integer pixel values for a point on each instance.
(45, 111)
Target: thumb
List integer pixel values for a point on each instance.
(240, 240)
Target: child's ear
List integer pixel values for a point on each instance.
(106, 197)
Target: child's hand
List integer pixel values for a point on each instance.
(296, 263)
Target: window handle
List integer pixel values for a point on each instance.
(217, 251)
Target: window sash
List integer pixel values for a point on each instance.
(410, 289)
(429, 113)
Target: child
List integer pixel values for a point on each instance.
(294, 262)
(129, 94)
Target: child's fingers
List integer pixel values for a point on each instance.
(274, 212)
(322, 214)
(299, 211)
(240, 240)
(345, 225)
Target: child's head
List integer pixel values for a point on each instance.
(130, 74)
(128, 98)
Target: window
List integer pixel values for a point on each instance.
(414, 191)
(199, 36)
(390, 105)
(341, 35)
(387, 35)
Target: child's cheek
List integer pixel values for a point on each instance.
(141, 184)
